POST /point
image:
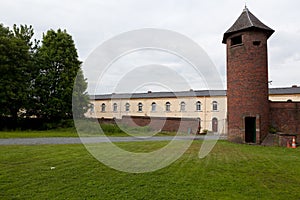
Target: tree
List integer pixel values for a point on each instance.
(80, 96)
(15, 69)
(58, 64)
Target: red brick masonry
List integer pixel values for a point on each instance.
(187, 125)
(247, 85)
(285, 117)
(163, 124)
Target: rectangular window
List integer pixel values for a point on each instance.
(236, 40)
(182, 106)
(215, 106)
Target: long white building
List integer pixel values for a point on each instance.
(209, 107)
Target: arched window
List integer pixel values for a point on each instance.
(214, 106)
(140, 107)
(215, 125)
(198, 106)
(127, 105)
(92, 109)
(115, 107)
(168, 107)
(153, 107)
(182, 106)
(103, 107)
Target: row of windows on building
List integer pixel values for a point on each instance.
(154, 107)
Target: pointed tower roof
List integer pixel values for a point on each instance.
(247, 21)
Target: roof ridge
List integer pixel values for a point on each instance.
(247, 12)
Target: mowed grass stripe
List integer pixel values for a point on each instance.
(230, 171)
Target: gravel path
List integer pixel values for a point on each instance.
(74, 140)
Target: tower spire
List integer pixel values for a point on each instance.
(246, 8)
(247, 21)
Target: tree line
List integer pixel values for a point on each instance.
(37, 77)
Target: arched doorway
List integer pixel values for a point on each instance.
(215, 125)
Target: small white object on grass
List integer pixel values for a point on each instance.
(52, 167)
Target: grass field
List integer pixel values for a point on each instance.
(63, 132)
(230, 171)
(109, 130)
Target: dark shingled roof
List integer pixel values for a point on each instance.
(196, 93)
(289, 90)
(247, 21)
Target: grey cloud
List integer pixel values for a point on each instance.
(92, 22)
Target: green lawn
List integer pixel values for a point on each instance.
(63, 132)
(109, 130)
(230, 171)
(69, 132)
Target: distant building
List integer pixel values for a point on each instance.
(245, 112)
(209, 107)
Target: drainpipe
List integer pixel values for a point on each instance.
(205, 113)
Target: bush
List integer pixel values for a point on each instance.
(272, 130)
(111, 128)
(8, 123)
(204, 132)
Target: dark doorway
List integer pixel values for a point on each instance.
(215, 125)
(250, 129)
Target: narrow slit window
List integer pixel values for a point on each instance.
(236, 40)
(256, 43)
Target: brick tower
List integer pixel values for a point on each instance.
(247, 79)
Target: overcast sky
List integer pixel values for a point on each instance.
(92, 22)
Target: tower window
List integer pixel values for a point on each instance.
(256, 43)
(236, 40)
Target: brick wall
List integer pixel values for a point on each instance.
(247, 85)
(164, 124)
(285, 117)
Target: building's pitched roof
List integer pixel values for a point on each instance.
(150, 95)
(247, 21)
(196, 93)
(289, 90)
